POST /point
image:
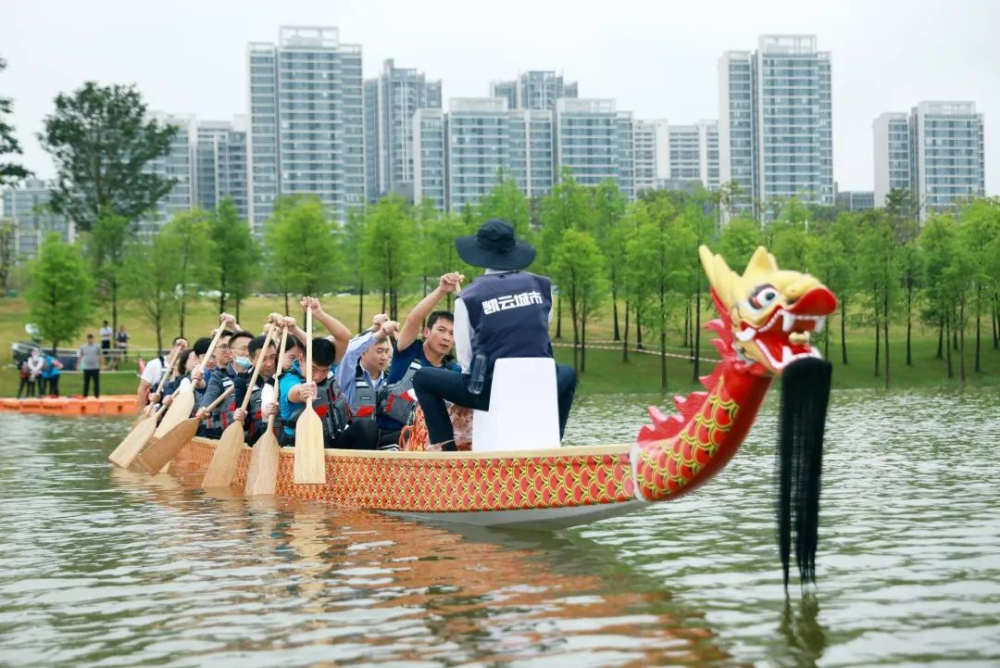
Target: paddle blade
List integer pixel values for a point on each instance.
(179, 410)
(310, 463)
(159, 454)
(133, 443)
(263, 476)
(227, 453)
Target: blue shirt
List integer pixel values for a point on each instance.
(286, 407)
(50, 370)
(348, 366)
(401, 360)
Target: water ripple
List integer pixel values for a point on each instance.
(102, 567)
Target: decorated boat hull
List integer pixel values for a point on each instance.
(543, 489)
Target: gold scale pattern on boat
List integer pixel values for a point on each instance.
(452, 485)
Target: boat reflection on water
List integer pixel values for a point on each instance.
(373, 587)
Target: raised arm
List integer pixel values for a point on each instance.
(411, 328)
(339, 333)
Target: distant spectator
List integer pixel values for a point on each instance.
(23, 385)
(90, 359)
(121, 342)
(106, 333)
(50, 375)
(35, 365)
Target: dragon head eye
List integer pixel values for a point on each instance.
(763, 296)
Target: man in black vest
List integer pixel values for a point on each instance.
(504, 313)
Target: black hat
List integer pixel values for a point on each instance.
(494, 247)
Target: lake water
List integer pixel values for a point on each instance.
(100, 567)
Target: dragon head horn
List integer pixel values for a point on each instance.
(725, 281)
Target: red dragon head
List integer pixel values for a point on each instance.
(772, 312)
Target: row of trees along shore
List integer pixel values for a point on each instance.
(635, 262)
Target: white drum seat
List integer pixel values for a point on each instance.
(524, 407)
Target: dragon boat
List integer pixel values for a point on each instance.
(765, 320)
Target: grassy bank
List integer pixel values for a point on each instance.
(605, 373)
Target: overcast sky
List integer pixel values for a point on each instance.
(658, 59)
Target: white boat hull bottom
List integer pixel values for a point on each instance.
(537, 519)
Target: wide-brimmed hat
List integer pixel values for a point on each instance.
(495, 247)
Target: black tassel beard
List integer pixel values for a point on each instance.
(805, 393)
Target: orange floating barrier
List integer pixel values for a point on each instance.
(114, 405)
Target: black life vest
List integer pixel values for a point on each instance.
(394, 402)
(365, 397)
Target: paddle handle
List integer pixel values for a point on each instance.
(166, 372)
(215, 404)
(211, 348)
(309, 352)
(163, 379)
(256, 369)
(277, 375)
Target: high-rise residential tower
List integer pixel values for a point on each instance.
(306, 121)
(25, 206)
(936, 152)
(390, 104)
(892, 154)
(177, 164)
(535, 89)
(221, 164)
(776, 122)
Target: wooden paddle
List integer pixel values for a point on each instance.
(227, 453)
(263, 475)
(136, 440)
(148, 408)
(310, 462)
(160, 453)
(183, 403)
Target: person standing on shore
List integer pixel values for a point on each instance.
(51, 375)
(121, 345)
(107, 333)
(91, 361)
(36, 363)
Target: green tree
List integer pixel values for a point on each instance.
(388, 255)
(152, 275)
(189, 233)
(879, 276)
(738, 240)
(232, 264)
(633, 282)
(902, 210)
(566, 207)
(425, 216)
(578, 268)
(507, 202)
(655, 272)
(6, 254)
(937, 246)
(60, 289)
(302, 245)
(352, 236)
(609, 209)
(846, 233)
(441, 239)
(101, 142)
(978, 230)
(107, 251)
(10, 172)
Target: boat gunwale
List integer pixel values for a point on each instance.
(562, 451)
